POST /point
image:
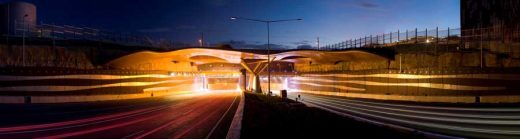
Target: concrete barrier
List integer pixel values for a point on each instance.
(236, 125)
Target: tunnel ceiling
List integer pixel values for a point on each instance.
(211, 55)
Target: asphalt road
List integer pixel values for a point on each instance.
(197, 115)
(457, 120)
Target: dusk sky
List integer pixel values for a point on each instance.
(183, 20)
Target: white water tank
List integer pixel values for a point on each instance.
(14, 15)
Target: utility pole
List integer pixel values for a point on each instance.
(267, 22)
(318, 42)
(23, 39)
(201, 40)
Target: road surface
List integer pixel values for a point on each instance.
(197, 115)
(480, 121)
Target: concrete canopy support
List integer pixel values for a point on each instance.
(255, 74)
(244, 64)
(169, 61)
(244, 79)
(256, 85)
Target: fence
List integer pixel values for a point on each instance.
(416, 36)
(466, 38)
(77, 33)
(492, 38)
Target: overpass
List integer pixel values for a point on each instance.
(254, 62)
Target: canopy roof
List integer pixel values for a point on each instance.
(212, 55)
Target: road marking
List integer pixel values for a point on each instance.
(219, 120)
(174, 120)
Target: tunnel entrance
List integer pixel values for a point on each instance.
(221, 83)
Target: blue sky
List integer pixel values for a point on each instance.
(183, 20)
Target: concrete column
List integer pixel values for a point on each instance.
(244, 79)
(256, 85)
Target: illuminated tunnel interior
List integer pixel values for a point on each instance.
(345, 73)
(219, 69)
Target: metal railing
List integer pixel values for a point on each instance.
(68, 32)
(469, 38)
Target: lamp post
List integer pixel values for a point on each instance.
(23, 39)
(267, 22)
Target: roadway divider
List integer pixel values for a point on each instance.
(236, 124)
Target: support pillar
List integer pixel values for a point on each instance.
(256, 85)
(244, 79)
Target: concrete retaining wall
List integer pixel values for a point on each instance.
(424, 87)
(451, 60)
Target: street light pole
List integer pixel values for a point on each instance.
(23, 39)
(267, 22)
(268, 59)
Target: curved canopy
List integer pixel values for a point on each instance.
(211, 55)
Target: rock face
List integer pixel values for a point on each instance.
(45, 56)
(57, 57)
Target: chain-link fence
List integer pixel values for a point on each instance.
(494, 39)
(400, 37)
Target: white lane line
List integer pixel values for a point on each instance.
(220, 120)
(173, 120)
(428, 125)
(439, 108)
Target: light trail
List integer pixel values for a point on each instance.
(188, 116)
(458, 121)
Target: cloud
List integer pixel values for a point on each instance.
(357, 4)
(155, 30)
(368, 5)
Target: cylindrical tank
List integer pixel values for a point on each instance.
(18, 15)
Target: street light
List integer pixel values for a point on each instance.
(23, 39)
(267, 22)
